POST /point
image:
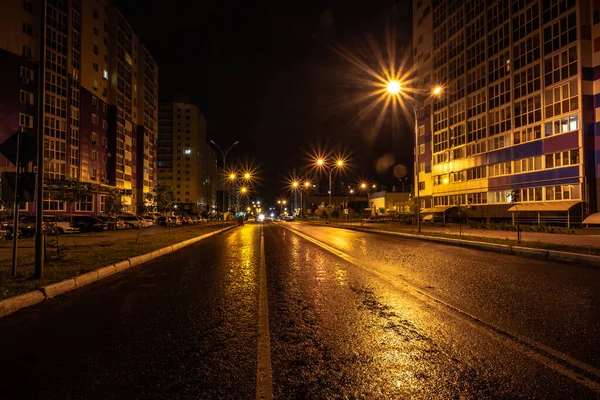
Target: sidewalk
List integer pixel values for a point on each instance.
(579, 240)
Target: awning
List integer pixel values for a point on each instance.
(553, 206)
(436, 209)
(592, 219)
(427, 217)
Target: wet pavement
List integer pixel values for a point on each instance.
(383, 318)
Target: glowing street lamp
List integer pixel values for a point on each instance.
(394, 88)
(339, 163)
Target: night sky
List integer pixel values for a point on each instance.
(267, 74)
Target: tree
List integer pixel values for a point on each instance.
(113, 204)
(70, 191)
(163, 197)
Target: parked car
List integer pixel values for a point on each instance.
(148, 221)
(132, 221)
(112, 221)
(174, 221)
(61, 225)
(89, 223)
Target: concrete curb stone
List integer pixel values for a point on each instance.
(84, 279)
(103, 272)
(123, 265)
(57, 288)
(12, 304)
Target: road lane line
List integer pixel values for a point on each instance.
(545, 355)
(264, 371)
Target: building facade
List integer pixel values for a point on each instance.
(186, 162)
(516, 128)
(100, 96)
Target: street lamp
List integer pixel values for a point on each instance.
(394, 88)
(321, 163)
(224, 154)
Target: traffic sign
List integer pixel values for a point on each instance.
(27, 148)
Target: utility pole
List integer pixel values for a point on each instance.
(39, 190)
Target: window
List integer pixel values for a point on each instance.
(96, 50)
(26, 51)
(457, 112)
(475, 55)
(526, 51)
(553, 8)
(26, 120)
(26, 97)
(440, 141)
(560, 33)
(94, 137)
(457, 135)
(95, 66)
(560, 66)
(527, 81)
(476, 148)
(94, 119)
(52, 205)
(475, 30)
(498, 13)
(422, 167)
(527, 134)
(27, 29)
(526, 22)
(86, 203)
(421, 186)
(421, 130)
(528, 111)
(476, 79)
(476, 173)
(527, 165)
(95, 13)
(561, 99)
(28, 6)
(26, 75)
(95, 84)
(105, 74)
(498, 40)
(94, 101)
(476, 104)
(476, 129)
(94, 155)
(500, 169)
(499, 121)
(104, 142)
(563, 192)
(499, 94)
(499, 67)
(95, 30)
(562, 159)
(562, 125)
(456, 67)
(104, 124)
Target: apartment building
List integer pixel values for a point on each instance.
(515, 131)
(100, 97)
(186, 162)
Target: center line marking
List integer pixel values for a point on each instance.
(264, 371)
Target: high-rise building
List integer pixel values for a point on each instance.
(186, 162)
(515, 131)
(100, 97)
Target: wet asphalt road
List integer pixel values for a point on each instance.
(364, 325)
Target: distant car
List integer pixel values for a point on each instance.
(372, 219)
(132, 221)
(112, 221)
(89, 224)
(148, 221)
(251, 219)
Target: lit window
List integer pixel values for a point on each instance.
(187, 151)
(105, 74)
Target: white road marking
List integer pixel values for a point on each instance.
(562, 363)
(264, 371)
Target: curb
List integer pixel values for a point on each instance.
(551, 255)
(15, 303)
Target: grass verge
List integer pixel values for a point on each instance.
(77, 260)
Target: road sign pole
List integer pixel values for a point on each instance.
(16, 208)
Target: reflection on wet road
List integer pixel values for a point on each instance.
(348, 317)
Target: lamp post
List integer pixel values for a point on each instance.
(394, 88)
(224, 154)
(321, 163)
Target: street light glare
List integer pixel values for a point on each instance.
(295, 184)
(247, 175)
(393, 87)
(306, 184)
(320, 161)
(363, 185)
(232, 176)
(437, 91)
(340, 163)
